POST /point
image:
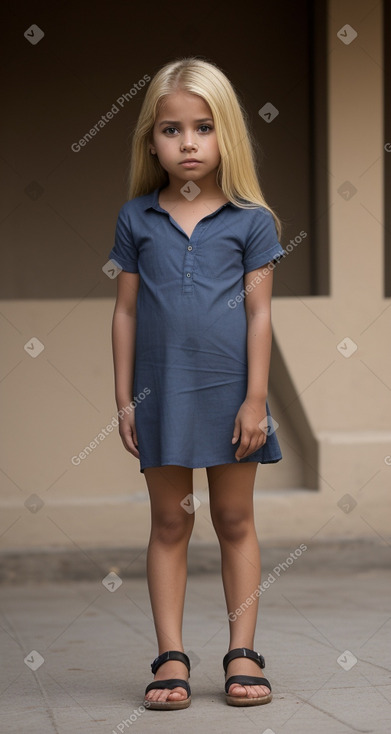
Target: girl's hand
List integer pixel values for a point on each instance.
(127, 431)
(248, 418)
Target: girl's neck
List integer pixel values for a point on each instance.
(172, 193)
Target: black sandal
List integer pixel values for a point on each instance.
(170, 683)
(245, 680)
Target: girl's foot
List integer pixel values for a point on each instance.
(245, 666)
(170, 669)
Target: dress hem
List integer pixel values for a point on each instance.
(246, 460)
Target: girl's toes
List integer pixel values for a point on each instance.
(182, 693)
(155, 695)
(237, 690)
(259, 691)
(249, 691)
(176, 695)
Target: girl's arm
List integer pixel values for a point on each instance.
(259, 339)
(123, 340)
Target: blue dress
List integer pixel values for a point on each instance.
(191, 337)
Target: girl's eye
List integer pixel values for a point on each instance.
(170, 129)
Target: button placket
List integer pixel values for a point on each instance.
(188, 264)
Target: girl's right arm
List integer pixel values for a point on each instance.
(124, 341)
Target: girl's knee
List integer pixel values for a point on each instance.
(172, 528)
(232, 526)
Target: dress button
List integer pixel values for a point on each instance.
(188, 275)
(189, 247)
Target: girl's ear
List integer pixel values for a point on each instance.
(152, 151)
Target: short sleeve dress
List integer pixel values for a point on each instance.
(191, 336)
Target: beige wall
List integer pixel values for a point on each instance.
(334, 412)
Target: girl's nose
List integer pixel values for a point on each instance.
(189, 144)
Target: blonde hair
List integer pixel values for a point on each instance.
(236, 174)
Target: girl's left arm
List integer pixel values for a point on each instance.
(252, 412)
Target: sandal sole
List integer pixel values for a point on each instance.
(240, 701)
(168, 705)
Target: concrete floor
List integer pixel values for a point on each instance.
(97, 646)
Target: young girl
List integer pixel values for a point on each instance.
(191, 342)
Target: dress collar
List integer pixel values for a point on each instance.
(152, 201)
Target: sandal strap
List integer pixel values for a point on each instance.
(243, 652)
(247, 680)
(170, 655)
(170, 683)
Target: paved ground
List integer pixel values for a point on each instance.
(97, 647)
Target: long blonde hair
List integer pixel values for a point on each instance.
(236, 174)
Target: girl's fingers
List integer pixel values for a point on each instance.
(236, 433)
(250, 440)
(243, 447)
(133, 443)
(134, 434)
(248, 445)
(130, 446)
(129, 440)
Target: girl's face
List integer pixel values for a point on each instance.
(184, 130)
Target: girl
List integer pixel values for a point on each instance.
(191, 338)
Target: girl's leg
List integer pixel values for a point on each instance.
(171, 528)
(231, 489)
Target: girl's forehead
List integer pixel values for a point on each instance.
(184, 102)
